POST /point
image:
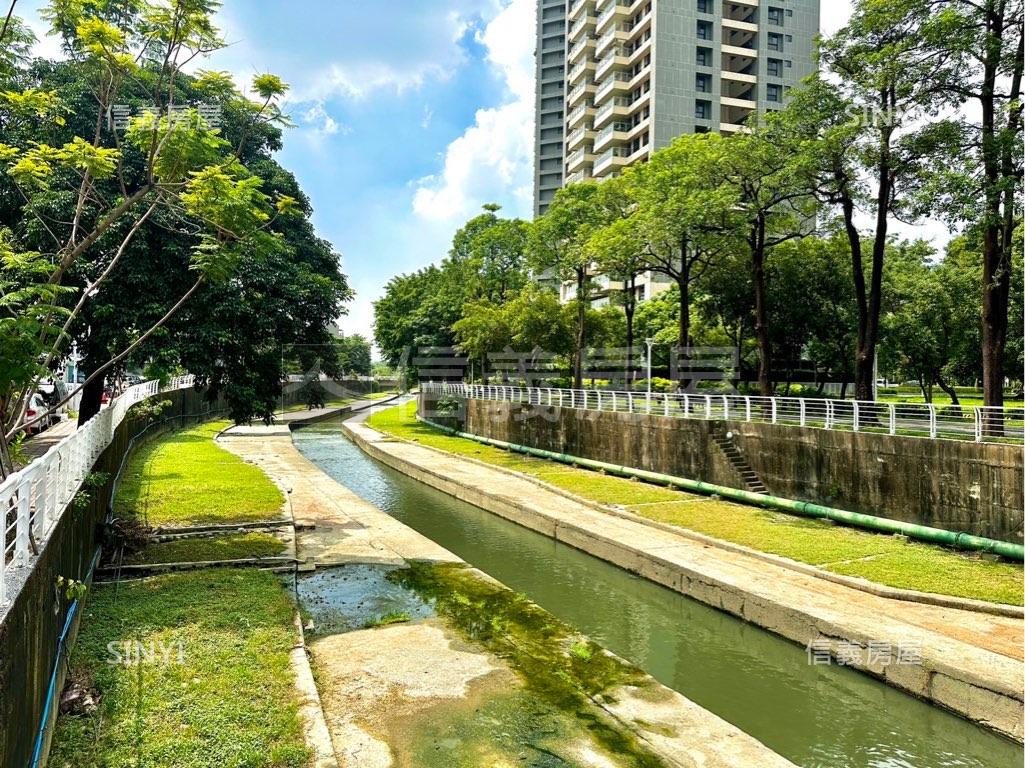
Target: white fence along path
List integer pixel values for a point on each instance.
(34, 498)
(963, 423)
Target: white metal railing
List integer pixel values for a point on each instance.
(977, 423)
(33, 499)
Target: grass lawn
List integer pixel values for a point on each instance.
(185, 478)
(221, 697)
(235, 546)
(891, 560)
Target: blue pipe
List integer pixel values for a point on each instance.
(37, 753)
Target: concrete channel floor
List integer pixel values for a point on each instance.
(970, 662)
(373, 682)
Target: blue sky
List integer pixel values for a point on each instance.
(410, 114)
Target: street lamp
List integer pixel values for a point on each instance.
(648, 343)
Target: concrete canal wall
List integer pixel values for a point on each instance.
(953, 484)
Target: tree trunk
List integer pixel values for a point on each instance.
(578, 352)
(955, 403)
(629, 308)
(757, 243)
(92, 400)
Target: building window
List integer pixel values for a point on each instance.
(789, 63)
(776, 16)
(700, 129)
(704, 30)
(704, 57)
(775, 67)
(773, 93)
(703, 83)
(702, 109)
(775, 41)
(704, 6)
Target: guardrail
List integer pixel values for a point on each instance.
(977, 423)
(34, 498)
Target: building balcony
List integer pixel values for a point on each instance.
(730, 128)
(618, 11)
(737, 90)
(616, 58)
(577, 8)
(582, 26)
(581, 91)
(573, 178)
(579, 114)
(739, 77)
(615, 82)
(739, 38)
(618, 107)
(577, 52)
(615, 132)
(577, 160)
(739, 26)
(610, 160)
(580, 71)
(579, 136)
(619, 33)
(728, 101)
(739, 52)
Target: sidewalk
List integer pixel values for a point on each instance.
(970, 663)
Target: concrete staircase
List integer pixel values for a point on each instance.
(752, 482)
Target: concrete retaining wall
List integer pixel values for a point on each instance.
(30, 627)
(953, 484)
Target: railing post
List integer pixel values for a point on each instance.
(666, 396)
(598, 393)
(686, 405)
(803, 418)
(21, 533)
(932, 421)
(708, 406)
(893, 418)
(857, 415)
(725, 408)
(829, 414)
(978, 425)
(613, 401)
(773, 400)
(747, 407)
(629, 402)
(572, 398)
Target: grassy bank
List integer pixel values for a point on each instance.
(885, 559)
(218, 693)
(235, 546)
(187, 479)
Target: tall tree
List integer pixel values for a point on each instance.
(975, 51)
(686, 216)
(558, 246)
(870, 149)
(773, 206)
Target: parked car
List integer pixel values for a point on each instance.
(37, 405)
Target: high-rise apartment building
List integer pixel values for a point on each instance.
(639, 73)
(549, 136)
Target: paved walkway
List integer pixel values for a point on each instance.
(971, 663)
(44, 441)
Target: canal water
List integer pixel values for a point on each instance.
(817, 716)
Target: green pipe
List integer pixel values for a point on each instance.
(807, 509)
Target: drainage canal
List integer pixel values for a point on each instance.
(817, 716)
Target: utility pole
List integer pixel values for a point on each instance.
(648, 343)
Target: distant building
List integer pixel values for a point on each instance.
(635, 75)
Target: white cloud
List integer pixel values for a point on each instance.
(492, 159)
(317, 119)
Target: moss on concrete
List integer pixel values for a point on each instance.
(567, 671)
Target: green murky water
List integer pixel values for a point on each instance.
(817, 716)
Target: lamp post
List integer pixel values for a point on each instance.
(648, 343)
